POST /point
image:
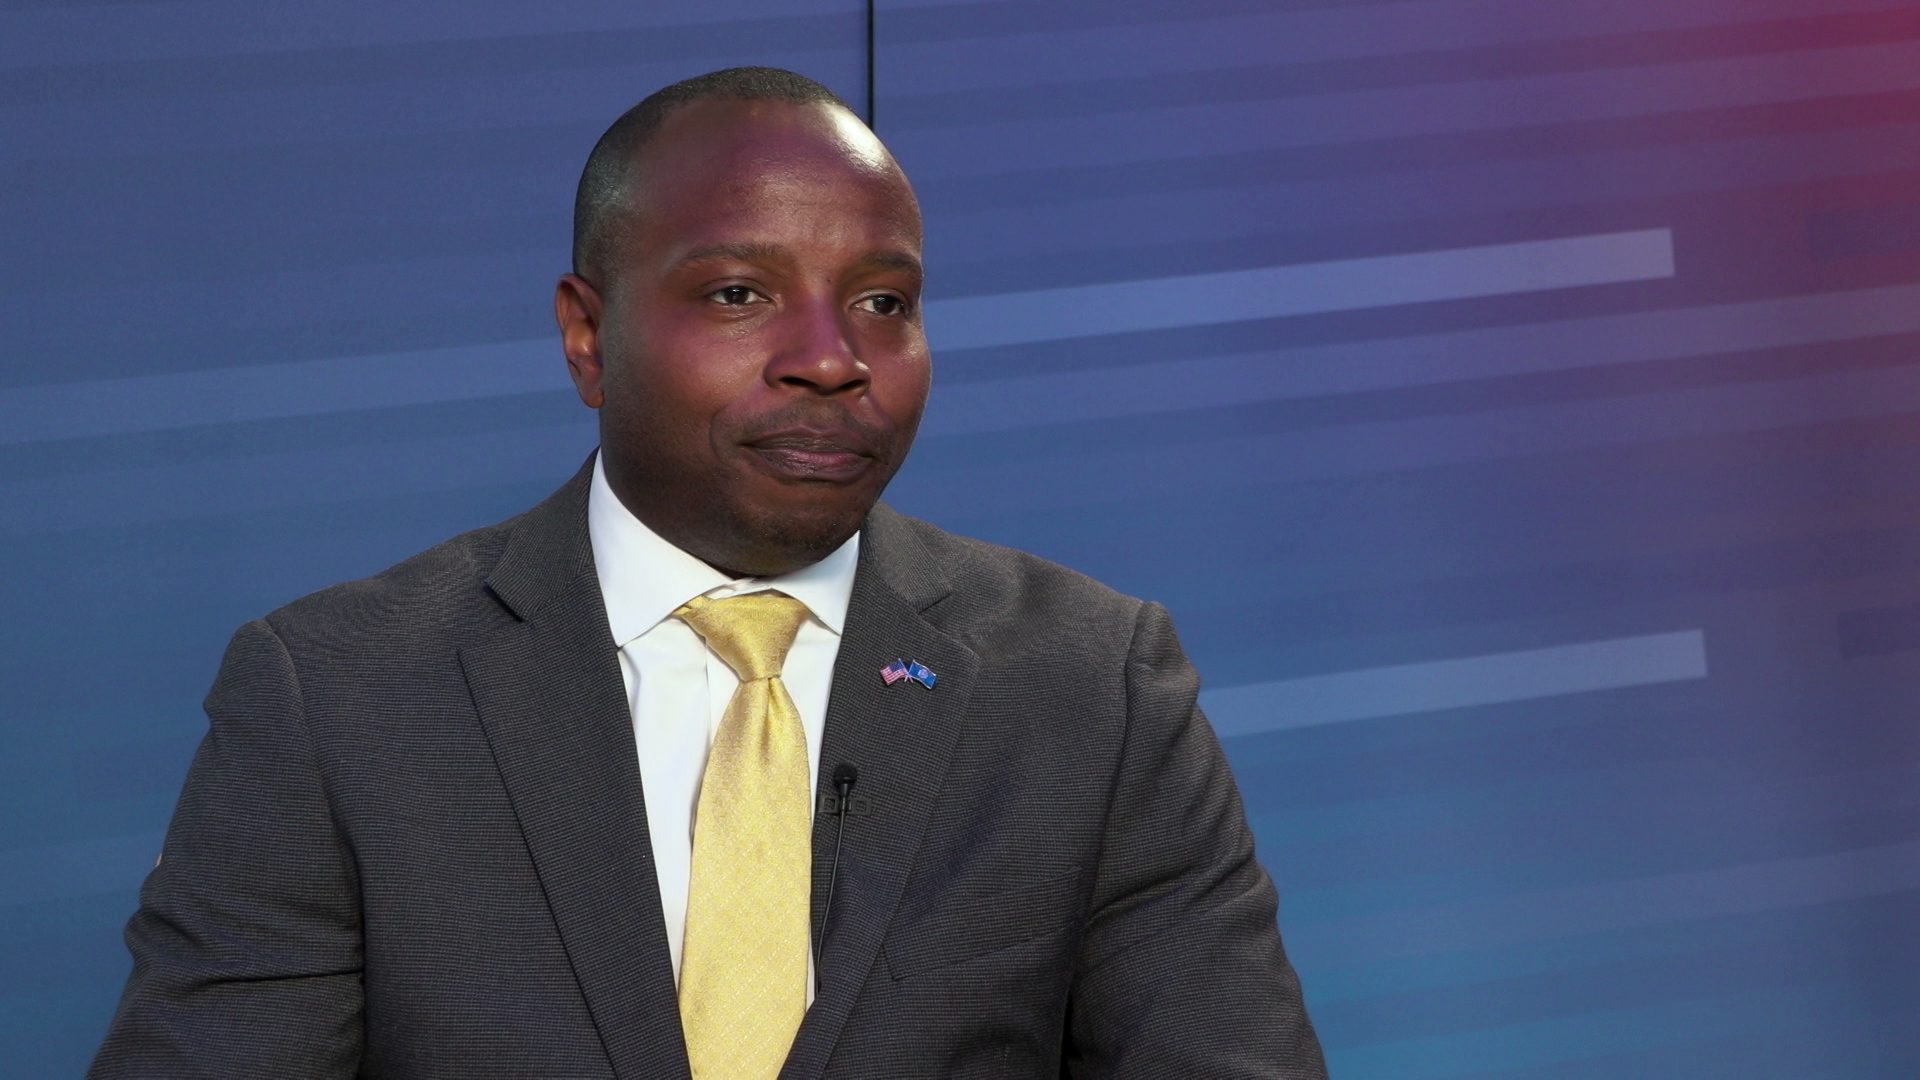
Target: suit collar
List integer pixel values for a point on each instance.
(547, 550)
(901, 562)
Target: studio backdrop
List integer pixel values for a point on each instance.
(1516, 403)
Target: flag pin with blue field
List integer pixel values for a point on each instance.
(908, 669)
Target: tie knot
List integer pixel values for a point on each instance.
(752, 633)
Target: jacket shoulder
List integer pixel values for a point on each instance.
(436, 594)
(454, 590)
(1002, 598)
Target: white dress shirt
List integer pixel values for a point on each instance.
(677, 688)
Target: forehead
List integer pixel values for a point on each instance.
(724, 164)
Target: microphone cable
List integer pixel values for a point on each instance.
(845, 775)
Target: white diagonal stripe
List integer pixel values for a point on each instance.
(1300, 289)
(1457, 683)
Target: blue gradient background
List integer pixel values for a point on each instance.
(1557, 594)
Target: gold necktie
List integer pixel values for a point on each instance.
(743, 967)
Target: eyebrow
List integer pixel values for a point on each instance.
(760, 252)
(745, 252)
(895, 260)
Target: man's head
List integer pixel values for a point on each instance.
(744, 311)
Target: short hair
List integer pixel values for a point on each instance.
(607, 180)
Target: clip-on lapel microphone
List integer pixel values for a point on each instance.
(845, 775)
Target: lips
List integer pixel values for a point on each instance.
(804, 454)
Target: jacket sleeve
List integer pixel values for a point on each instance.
(1181, 972)
(247, 945)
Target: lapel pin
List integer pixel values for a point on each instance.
(908, 669)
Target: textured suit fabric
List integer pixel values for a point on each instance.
(413, 843)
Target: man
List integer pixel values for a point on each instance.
(540, 801)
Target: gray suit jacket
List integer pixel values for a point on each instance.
(413, 843)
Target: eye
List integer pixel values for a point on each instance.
(736, 296)
(883, 304)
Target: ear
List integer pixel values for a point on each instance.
(576, 307)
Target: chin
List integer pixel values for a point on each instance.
(783, 539)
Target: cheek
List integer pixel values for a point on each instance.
(901, 390)
(683, 380)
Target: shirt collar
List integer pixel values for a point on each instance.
(644, 579)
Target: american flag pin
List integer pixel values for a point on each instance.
(909, 669)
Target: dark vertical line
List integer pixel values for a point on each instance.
(870, 65)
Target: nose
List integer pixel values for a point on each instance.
(817, 352)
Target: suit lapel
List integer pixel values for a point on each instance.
(901, 737)
(549, 694)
